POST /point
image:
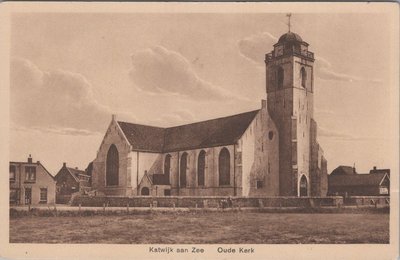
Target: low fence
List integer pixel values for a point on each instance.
(367, 200)
(205, 202)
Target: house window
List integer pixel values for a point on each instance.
(183, 168)
(43, 195)
(383, 190)
(260, 184)
(30, 174)
(112, 166)
(14, 196)
(12, 172)
(224, 167)
(167, 192)
(201, 164)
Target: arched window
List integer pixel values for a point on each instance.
(201, 165)
(112, 166)
(224, 167)
(145, 191)
(303, 186)
(167, 164)
(280, 77)
(303, 75)
(182, 172)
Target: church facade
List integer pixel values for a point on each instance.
(272, 151)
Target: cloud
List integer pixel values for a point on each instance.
(159, 71)
(175, 118)
(343, 136)
(256, 46)
(55, 130)
(55, 101)
(324, 70)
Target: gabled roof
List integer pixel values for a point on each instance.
(356, 179)
(143, 137)
(214, 132)
(76, 172)
(32, 164)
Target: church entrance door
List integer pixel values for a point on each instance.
(303, 186)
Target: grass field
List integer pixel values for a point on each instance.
(203, 228)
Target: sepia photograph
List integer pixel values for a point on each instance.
(183, 130)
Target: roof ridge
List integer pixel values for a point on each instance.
(218, 118)
(207, 120)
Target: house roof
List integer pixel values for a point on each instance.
(380, 171)
(76, 172)
(343, 170)
(214, 132)
(32, 164)
(356, 179)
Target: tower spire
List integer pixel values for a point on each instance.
(289, 15)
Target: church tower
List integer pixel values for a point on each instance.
(290, 87)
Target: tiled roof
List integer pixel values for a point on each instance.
(143, 137)
(343, 170)
(215, 132)
(75, 173)
(160, 179)
(356, 179)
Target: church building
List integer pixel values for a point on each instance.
(272, 151)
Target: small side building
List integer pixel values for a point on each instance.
(31, 183)
(345, 181)
(70, 180)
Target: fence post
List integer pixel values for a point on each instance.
(127, 207)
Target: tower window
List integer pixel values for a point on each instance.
(270, 135)
(303, 75)
(280, 77)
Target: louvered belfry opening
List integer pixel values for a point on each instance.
(224, 167)
(112, 166)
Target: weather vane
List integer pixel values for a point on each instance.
(289, 15)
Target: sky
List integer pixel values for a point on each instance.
(69, 72)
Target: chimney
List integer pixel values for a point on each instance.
(64, 164)
(30, 159)
(263, 103)
(76, 168)
(38, 162)
(374, 168)
(114, 117)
